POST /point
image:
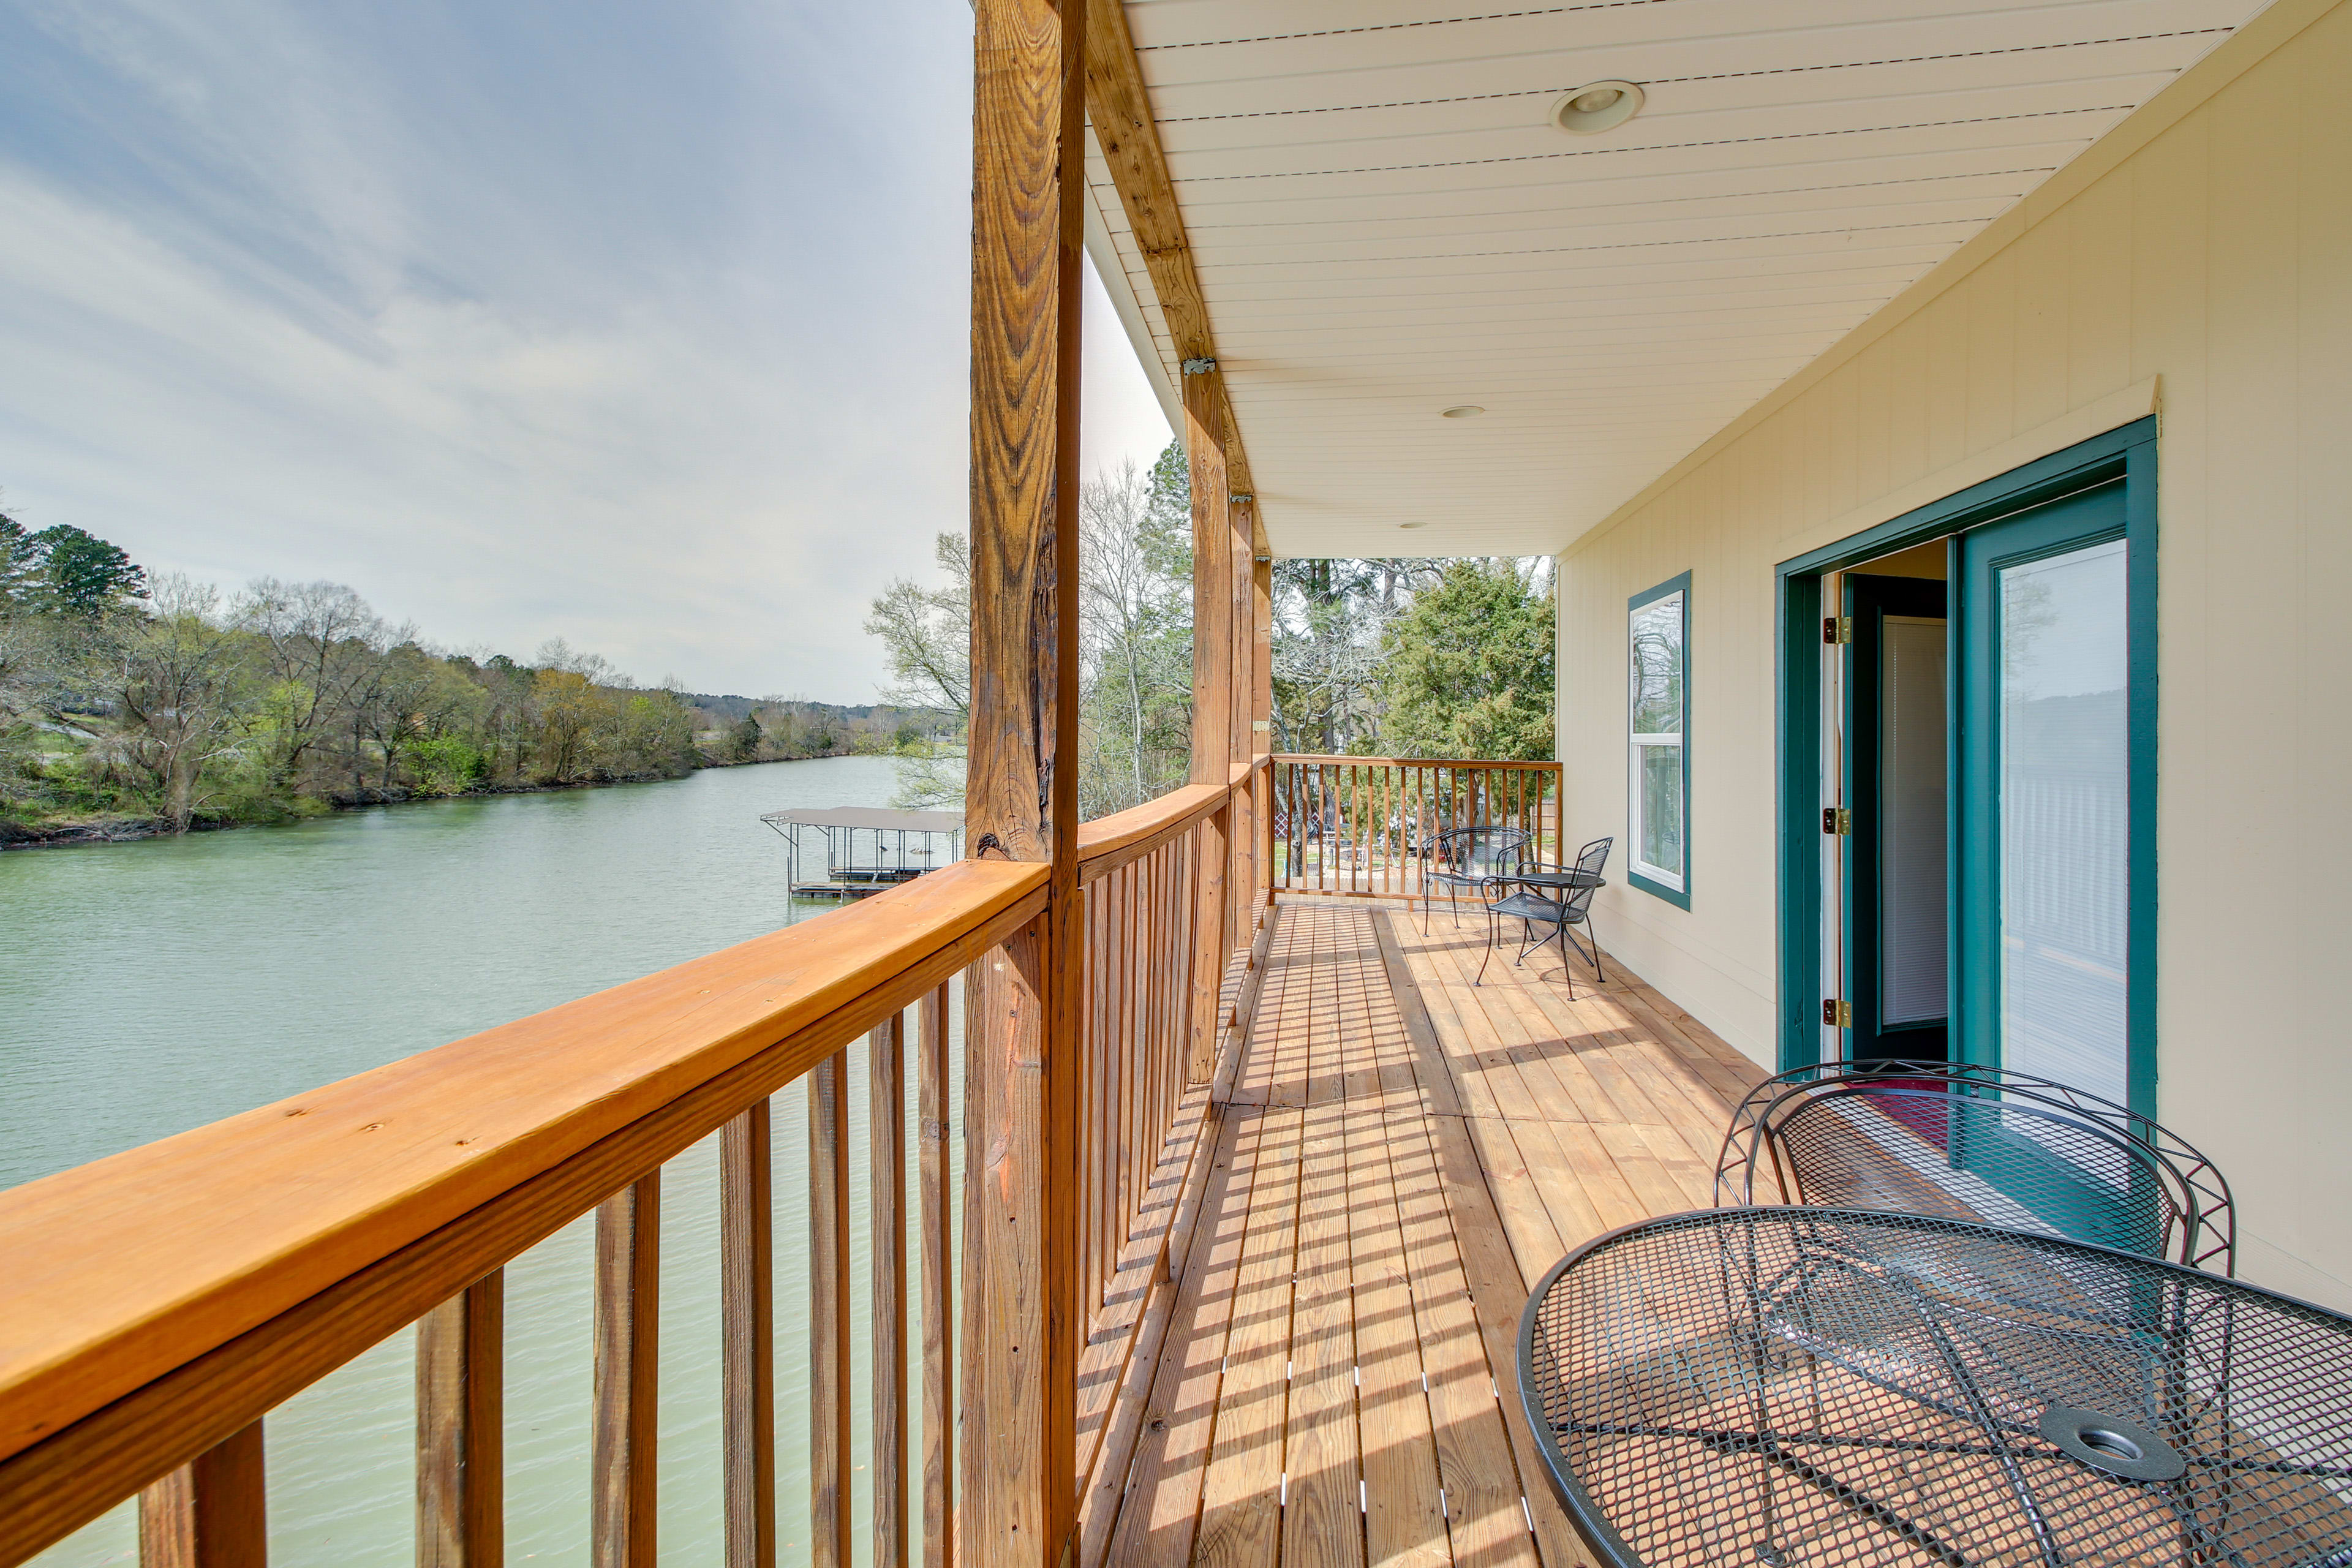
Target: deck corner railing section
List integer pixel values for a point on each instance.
(156, 1306)
(1369, 826)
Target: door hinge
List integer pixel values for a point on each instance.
(1837, 1014)
(1837, 630)
(1836, 819)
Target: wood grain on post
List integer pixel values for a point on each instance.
(1212, 575)
(621, 1504)
(461, 1429)
(829, 1509)
(212, 1512)
(886, 1123)
(1213, 703)
(1021, 1287)
(934, 1096)
(1261, 718)
(1242, 825)
(747, 1332)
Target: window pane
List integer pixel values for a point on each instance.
(1658, 666)
(2065, 885)
(1662, 807)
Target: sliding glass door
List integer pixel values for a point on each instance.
(2021, 611)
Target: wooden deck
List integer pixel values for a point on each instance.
(1400, 1154)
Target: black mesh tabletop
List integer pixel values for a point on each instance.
(1798, 1385)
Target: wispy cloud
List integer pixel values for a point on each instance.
(639, 325)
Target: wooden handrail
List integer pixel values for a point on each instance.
(1109, 842)
(1480, 762)
(143, 1264)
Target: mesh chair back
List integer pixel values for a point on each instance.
(1591, 859)
(1979, 1144)
(1594, 857)
(1480, 852)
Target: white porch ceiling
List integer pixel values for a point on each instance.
(1385, 224)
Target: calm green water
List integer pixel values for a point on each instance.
(146, 988)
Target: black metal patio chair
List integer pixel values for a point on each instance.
(1531, 906)
(1982, 1144)
(1474, 858)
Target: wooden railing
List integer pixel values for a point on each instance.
(1369, 827)
(155, 1305)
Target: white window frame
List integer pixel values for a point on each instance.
(1673, 886)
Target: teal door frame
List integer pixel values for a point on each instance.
(2126, 453)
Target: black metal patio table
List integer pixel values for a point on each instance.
(1792, 1387)
(1558, 881)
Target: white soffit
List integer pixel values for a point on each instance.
(1386, 224)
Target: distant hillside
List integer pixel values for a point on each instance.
(728, 708)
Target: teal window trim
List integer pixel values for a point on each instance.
(1678, 897)
(2127, 452)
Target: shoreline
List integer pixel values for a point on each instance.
(132, 829)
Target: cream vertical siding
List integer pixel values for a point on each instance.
(2198, 261)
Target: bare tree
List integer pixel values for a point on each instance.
(180, 676)
(322, 644)
(927, 639)
(1135, 645)
(927, 633)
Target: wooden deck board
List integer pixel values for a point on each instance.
(1402, 1152)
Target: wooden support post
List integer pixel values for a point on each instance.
(747, 1332)
(1241, 874)
(829, 1461)
(1213, 700)
(886, 1123)
(211, 1512)
(1213, 570)
(1021, 1286)
(622, 1503)
(461, 1429)
(934, 1097)
(1262, 716)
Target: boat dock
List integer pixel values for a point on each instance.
(862, 850)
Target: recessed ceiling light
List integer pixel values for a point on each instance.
(1597, 106)
(1466, 410)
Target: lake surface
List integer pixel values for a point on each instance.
(146, 988)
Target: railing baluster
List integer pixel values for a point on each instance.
(933, 1098)
(747, 1332)
(828, 1084)
(885, 1134)
(461, 1429)
(211, 1512)
(628, 1314)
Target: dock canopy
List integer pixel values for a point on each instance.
(895, 847)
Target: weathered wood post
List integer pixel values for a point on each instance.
(1021, 1320)
(1212, 695)
(1262, 717)
(1240, 746)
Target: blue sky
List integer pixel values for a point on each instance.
(642, 325)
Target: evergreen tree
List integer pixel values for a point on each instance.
(1466, 670)
(20, 567)
(84, 576)
(746, 743)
